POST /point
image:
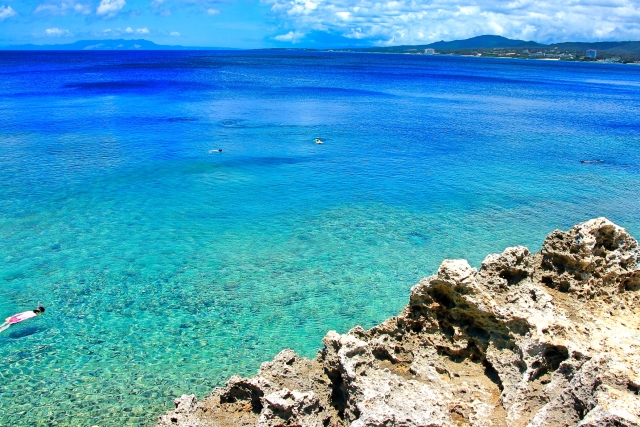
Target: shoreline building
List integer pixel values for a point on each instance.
(592, 53)
(429, 51)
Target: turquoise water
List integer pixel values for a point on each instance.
(166, 268)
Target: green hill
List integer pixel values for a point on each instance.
(483, 42)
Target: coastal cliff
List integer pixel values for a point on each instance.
(545, 339)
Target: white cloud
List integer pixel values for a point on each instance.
(63, 8)
(6, 12)
(57, 32)
(118, 32)
(110, 7)
(291, 36)
(174, 34)
(412, 22)
(166, 7)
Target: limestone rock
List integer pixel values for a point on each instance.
(536, 340)
(593, 258)
(290, 407)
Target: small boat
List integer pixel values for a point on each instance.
(318, 141)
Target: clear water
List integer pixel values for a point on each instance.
(165, 268)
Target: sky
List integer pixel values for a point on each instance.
(315, 23)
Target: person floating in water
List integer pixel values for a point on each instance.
(17, 318)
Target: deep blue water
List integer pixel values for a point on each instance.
(165, 268)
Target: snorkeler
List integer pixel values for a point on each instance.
(17, 318)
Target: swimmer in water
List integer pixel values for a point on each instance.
(219, 150)
(318, 141)
(17, 318)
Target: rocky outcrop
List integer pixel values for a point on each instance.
(546, 339)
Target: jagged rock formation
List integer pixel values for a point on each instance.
(546, 339)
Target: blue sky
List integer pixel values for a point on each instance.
(314, 23)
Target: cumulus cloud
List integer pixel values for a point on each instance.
(291, 36)
(57, 32)
(6, 12)
(413, 22)
(166, 7)
(63, 8)
(110, 7)
(117, 32)
(174, 34)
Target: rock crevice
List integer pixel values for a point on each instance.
(545, 339)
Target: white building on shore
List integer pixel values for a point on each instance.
(429, 51)
(592, 53)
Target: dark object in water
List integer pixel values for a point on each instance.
(219, 150)
(592, 161)
(24, 332)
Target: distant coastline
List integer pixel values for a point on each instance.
(624, 52)
(608, 60)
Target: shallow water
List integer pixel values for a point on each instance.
(166, 268)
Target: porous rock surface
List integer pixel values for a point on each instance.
(546, 339)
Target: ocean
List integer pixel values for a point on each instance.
(166, 265)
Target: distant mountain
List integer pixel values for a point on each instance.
(106, 45)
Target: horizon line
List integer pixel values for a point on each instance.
(194, 47)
